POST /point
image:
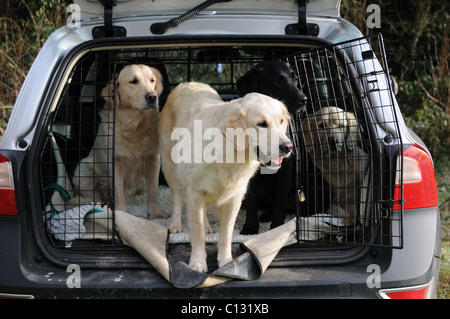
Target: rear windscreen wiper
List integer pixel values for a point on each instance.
(162, 27)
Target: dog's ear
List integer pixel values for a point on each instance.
(249, 81)
(159, 83)
(286, 115)
(351, 138)
(234, 128)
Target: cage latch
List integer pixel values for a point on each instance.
(108, 30)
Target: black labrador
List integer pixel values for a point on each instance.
(270, 191)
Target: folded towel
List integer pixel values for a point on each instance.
(69, 225)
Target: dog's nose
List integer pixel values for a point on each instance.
(285, 147)
(151, 96)
(152, 100)
(333, 143)
(301, 101)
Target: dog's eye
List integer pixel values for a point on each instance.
(282, 121)
(134, 81)
(262, 124)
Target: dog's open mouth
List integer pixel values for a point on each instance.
(267, 161)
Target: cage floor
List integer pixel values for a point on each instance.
(68, 225)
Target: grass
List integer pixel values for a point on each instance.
(443, 289)
(443, 185)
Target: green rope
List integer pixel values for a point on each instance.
(94, 210)
(64, 195)
(59, 136)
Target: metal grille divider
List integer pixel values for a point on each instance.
(355, 188)
(347, 148)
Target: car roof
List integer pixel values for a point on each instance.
(94, 9)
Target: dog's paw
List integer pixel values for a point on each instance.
(222, 262)
(265, 217)
(250, 230)
(209, 230)
(175, 229)
(199, 266)
(155, 213)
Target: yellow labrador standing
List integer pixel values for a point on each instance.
(136, 142)
(331, 139)
(216, 177)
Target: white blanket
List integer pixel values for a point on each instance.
(151, 240)
(68, 225)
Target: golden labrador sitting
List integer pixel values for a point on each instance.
(331, 139)
(216, 176)
(136, 142)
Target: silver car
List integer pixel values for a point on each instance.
(360, 217)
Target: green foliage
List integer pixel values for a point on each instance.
(417, 45)
(431, 123)
(24, 27)
(426, 115)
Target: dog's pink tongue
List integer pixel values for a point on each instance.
(277, 161)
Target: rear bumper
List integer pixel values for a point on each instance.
(28, 274)
(328, 283)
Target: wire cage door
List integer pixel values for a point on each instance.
(347, 147)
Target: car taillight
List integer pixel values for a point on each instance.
(420, 292)
(419, 181)
(8, 204)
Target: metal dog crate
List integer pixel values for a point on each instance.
(348, 76)
(343, 75)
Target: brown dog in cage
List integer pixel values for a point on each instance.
(132, 131)
(331, 138)
(216, 176)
